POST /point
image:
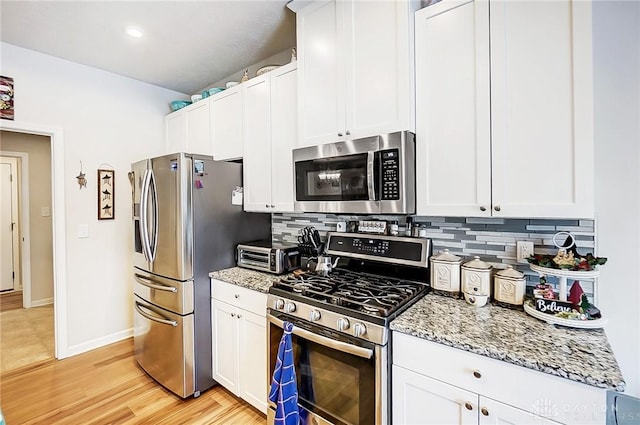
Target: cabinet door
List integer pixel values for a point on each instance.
(496, 413)
(175, 126)
(225, 345)
(321, 84)
(284, 136)
(257, 143)
(226, 124)
(453, 140)
(253, 360)
(417, 399)
(198, 135)
(542, 112)
(376, 61)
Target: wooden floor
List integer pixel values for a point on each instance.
(10, 300)
(105, 386)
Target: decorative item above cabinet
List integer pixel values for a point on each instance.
(355, 69)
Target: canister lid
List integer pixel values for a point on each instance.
(447, 257)
(477, 263)
(510, 273)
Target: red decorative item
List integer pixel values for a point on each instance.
(575, 294)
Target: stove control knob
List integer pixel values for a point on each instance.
(278, 304)
(343, 324)
(314, 315)
(359, 330)
(289, 307)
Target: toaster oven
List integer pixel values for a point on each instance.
(267, 257)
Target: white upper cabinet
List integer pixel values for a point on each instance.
(354, 69)
(270, 111)
(187, 130)
(504, 109)
(226, 124)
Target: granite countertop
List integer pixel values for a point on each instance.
(247, 278)
(582, 355)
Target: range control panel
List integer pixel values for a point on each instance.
(390, 160)
(390, 249)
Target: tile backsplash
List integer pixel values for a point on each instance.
(493, 239)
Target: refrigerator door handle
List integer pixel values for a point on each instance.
(144, 229)
(153, 284)
(160, 319)
(153, 247)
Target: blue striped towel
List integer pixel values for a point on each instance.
(284, 388)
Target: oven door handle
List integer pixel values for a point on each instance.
(366, 353)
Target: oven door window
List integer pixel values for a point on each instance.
(336, 385)
(342, 178)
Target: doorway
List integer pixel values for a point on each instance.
(58, 231)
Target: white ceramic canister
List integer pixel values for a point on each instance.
(509, 286)
(445, 273)
(476, 281)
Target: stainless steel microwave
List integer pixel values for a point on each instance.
(372, 175)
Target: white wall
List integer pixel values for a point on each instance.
(616, 41)
(108, 121)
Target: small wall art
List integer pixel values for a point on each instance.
(106, 194)
(6, 98)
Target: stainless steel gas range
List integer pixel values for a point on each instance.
(341, 326)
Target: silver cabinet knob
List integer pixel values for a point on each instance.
(289, 307)
(483, 208)
(485, 411)
(273, 206)
(266, 205)
(314, 315)
(348, 133)
(468, 405)
(339, 134)
(343, 324)
(237, 296)
(477, 374)
(278, 304)
(233, 315)
(359, 330)
(239, 316)
(497, 208)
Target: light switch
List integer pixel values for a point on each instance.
(46, 211)
(83, 230)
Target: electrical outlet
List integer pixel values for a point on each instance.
(524, 249)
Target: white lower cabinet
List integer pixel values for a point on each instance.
(240, 341)
(436, 384)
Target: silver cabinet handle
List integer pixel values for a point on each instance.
(236, 296)
(153, 318)
(485, 411)
(483, 208)
(339, 134)
(497, 208)
(348, 133)
(150, 283)
(477, 374)
(468, 405)
(266, 205)
(273, 206)
(239, 316)
(233, 315)
(327, 342)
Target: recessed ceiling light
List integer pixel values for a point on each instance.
(134, 32)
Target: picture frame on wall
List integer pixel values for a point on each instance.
(6, 98)
(106, 194)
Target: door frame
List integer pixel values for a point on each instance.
(24, 241)
(56, 135)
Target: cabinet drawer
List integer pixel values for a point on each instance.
(237, 296)
(556, 398)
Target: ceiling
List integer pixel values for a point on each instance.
(187, 45)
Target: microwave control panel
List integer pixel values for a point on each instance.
(390, 169)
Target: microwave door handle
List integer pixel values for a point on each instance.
(144, 232)
(327, 342)
(371, 176)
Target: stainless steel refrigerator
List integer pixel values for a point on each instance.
(185, 226)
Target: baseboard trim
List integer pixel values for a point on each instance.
(99, 342)
(40, 303)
